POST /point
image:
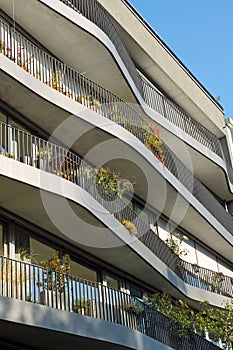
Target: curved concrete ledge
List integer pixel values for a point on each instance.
(197, 147)
(93, 118)
(62, 328)
(54, 192)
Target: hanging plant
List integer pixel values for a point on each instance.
(109, 182)
(153, 141)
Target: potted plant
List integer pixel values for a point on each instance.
(56, 81)
(110, 184)
(135, 307)
(44, 155)
(175, 246)
(217, 280)
(115, 114)
(9, 155)
(4, 49)
(195, 268)
(54, 281)
(154, 143)
(85, 100)
(82, 307)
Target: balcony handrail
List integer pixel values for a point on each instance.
(33, 283)
(177, 116)
(96, 13)
(56, 160)
(213, 281)
(85, 91)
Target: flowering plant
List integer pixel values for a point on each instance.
(175, 246)
(218, 274)
(195, 267)
(135, 306)
(153, 141)
(3, 49)
(110, 182)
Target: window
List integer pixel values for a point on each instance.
(40, 251)
(112, 282)
(82, 271)
(22, 245)
(136, 292)
(2, 117)
(30, 249)
(1, 241)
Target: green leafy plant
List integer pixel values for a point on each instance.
(175, 246)
(153, 141)
(135, 307)
(82, 306)
(115, 114)
(44, 153)
(4, 49)
(217, 281)
(56, 80)
(109, 182)
(9, 155)
(178, 312)
(217, 322)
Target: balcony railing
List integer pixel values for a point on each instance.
(33, 283)
(172, 112)
(96, 13)
(36, 152)
(72, 84)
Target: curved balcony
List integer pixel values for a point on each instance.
(82, 90)
(34, 284)
(56, 160)
(174, 114)
(97, 14)
(167, 109)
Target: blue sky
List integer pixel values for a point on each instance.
(200, 33)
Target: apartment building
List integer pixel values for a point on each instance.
(111, 154)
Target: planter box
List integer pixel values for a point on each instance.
(55, 299)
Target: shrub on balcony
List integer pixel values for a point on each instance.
(4, 49)
(55, 272)
(217, 322)
(110, 183)
(88, 101)
(175, 246)
(56, 81)
(136, 307)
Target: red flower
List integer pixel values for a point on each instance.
(154, 128)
